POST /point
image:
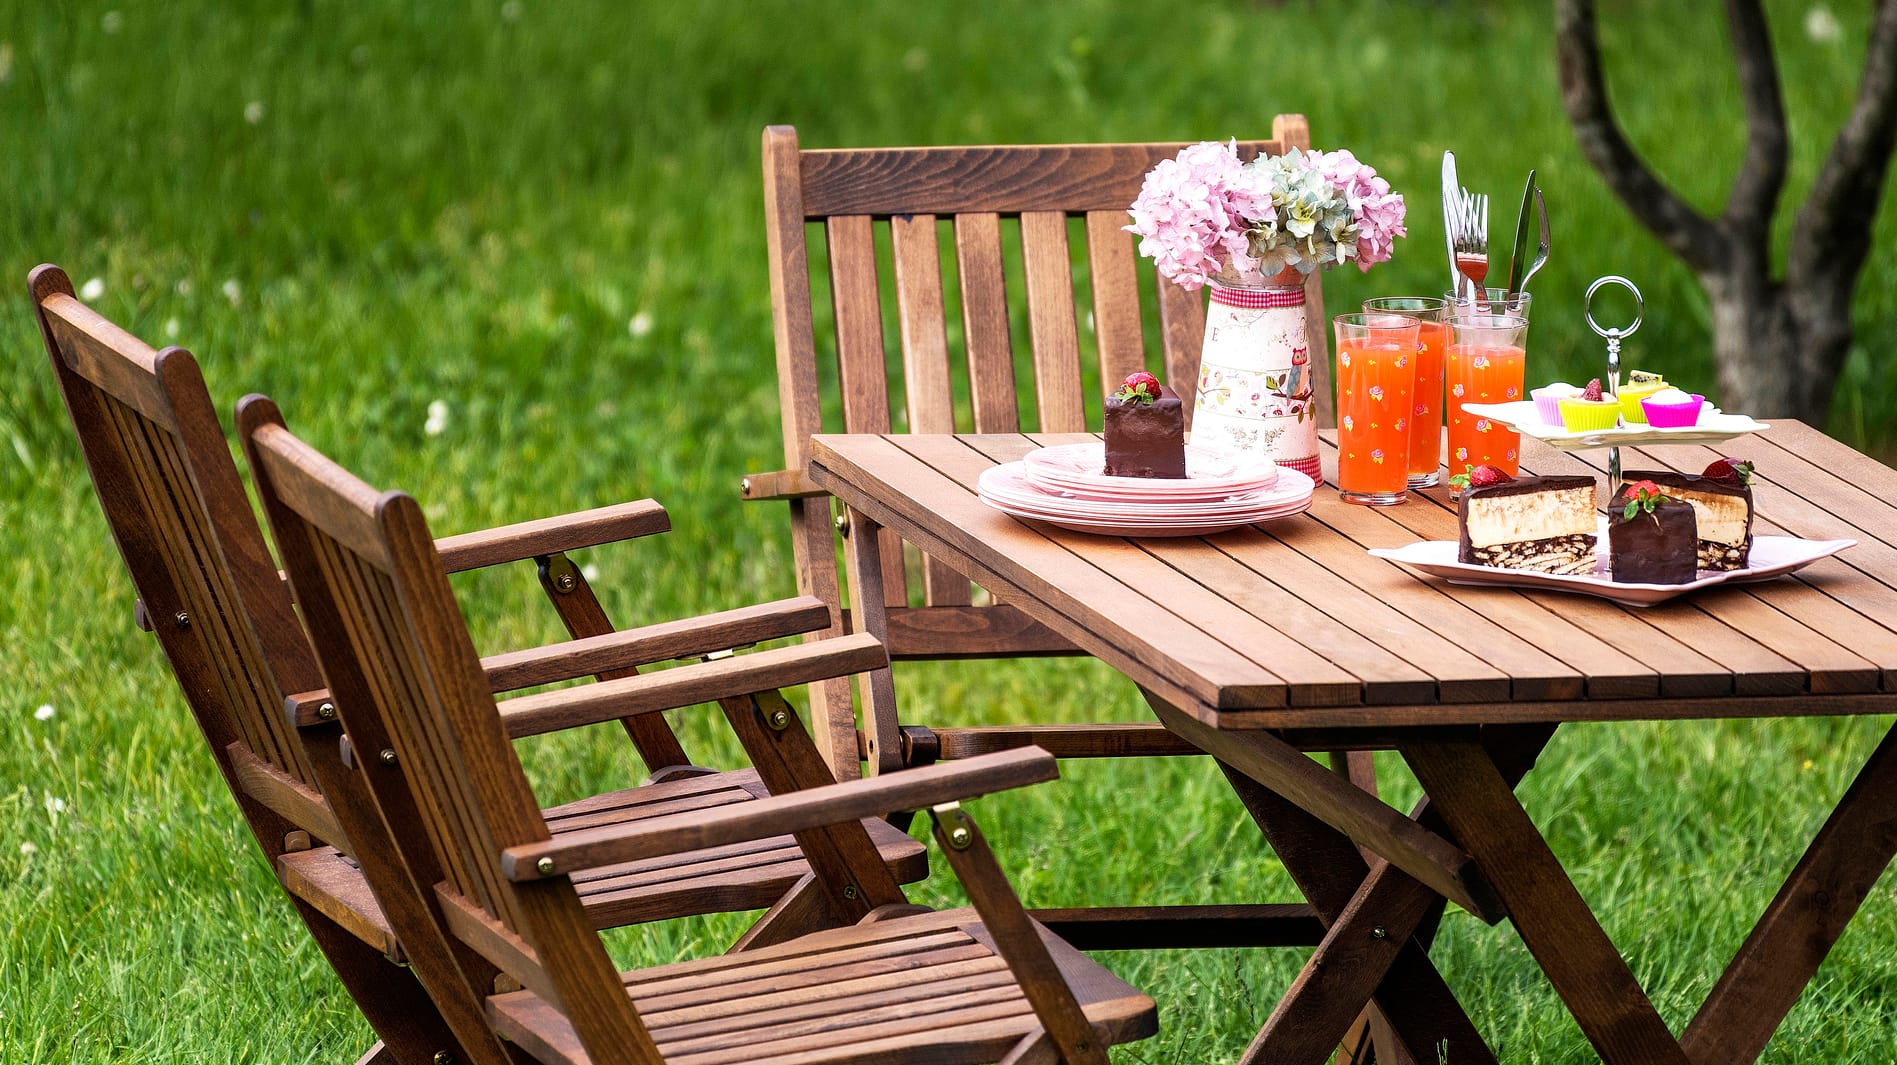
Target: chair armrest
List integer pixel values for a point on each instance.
(661, 642)
(779, 484)
(627, 648)
(550, 536)
(610, 700)
(777, 815)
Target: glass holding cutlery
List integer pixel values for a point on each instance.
(1485, 363)
(1490, 301)
(1426, 407)
(1376, 379)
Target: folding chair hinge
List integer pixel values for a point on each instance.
(718, 656)
(558, 573)
(954, 825)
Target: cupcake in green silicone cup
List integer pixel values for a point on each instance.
(1590, 410)
(1640, 384)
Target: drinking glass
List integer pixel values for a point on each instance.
(1484, 363)
(1426, 412)
(1493, 301)
(1376, 383)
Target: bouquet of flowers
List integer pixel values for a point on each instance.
(1204, 214)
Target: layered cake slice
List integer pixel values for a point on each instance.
(1651, 536)
(1547, 524)
(1721, 498)
(1145, 429)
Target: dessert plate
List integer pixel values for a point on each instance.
(1211, 474)
(1008, 489)
(1714, 425)
(1772, 556)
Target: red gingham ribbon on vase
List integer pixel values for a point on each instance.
(1258, 298)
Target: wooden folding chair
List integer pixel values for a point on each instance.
(970, 985)
(172, 497)
(1045, 192)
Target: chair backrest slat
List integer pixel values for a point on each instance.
(1049, 272)
(985, 323)
(925, 360)
(1116, 301)
(1182, 331)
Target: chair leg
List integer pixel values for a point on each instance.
(391, 999)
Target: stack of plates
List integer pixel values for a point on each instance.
(1221, 490)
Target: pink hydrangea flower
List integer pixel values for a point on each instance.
(1194, 211)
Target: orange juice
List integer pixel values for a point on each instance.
(1376, 382)
(1482, 374)
(1426, 412)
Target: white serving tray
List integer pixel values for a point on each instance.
(1714, 426)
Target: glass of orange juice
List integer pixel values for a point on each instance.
(1376, 385)
(1484, 363)
(1426, 409)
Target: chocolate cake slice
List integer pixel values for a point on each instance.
(1146, 437)
(1655, 545)
(1547, 524)
(1722, 507)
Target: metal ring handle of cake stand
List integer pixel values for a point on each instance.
(1613, 336)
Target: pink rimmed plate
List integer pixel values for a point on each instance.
(1211, 473)
(1006, 488)
(1772, 556)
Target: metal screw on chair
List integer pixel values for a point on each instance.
(183, 619)
(544, 867)
(1379, 932)
(843, 525)
(326, 710)
(388, 756)
(778, 719)
(744, 486)
(1081, 1046)
(442, 1057)
(564, 583)
(849, 891)
(960, 837)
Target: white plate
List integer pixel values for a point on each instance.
(1714, 425)
(1772, 556)
(1212, 473)
(1007, 489)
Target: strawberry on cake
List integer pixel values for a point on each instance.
(1722, 506)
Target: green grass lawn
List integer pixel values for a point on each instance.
(547, 217)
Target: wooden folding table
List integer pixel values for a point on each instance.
(1257, 642)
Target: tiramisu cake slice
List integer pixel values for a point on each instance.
(1722, 504)
(1547, 524)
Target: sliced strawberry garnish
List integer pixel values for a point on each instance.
(1592, 393)
(1729, 470)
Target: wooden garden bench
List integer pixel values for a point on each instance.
(979, 984)
(1048, 200)
(224, 618)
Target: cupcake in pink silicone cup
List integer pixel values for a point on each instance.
(1548, 400)
(1671, 408)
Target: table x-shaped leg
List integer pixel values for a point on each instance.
(1758, 988)
(1372, 912)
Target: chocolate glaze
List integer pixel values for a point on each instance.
(1667, 479)
(1146, 439)
(1653, 548)
(1465, 552)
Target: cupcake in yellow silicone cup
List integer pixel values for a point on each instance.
(1640, 384)
(1590, 410)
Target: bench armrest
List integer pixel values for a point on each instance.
(779, 484)
(550, 536)
(610, 700)
(777, 815)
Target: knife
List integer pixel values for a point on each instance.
(1518, 259)
(1451, 191)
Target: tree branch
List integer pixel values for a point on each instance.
(1833, 233)
(1761, 177)
(1686, 232)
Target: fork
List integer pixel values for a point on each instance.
(1472, 241)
